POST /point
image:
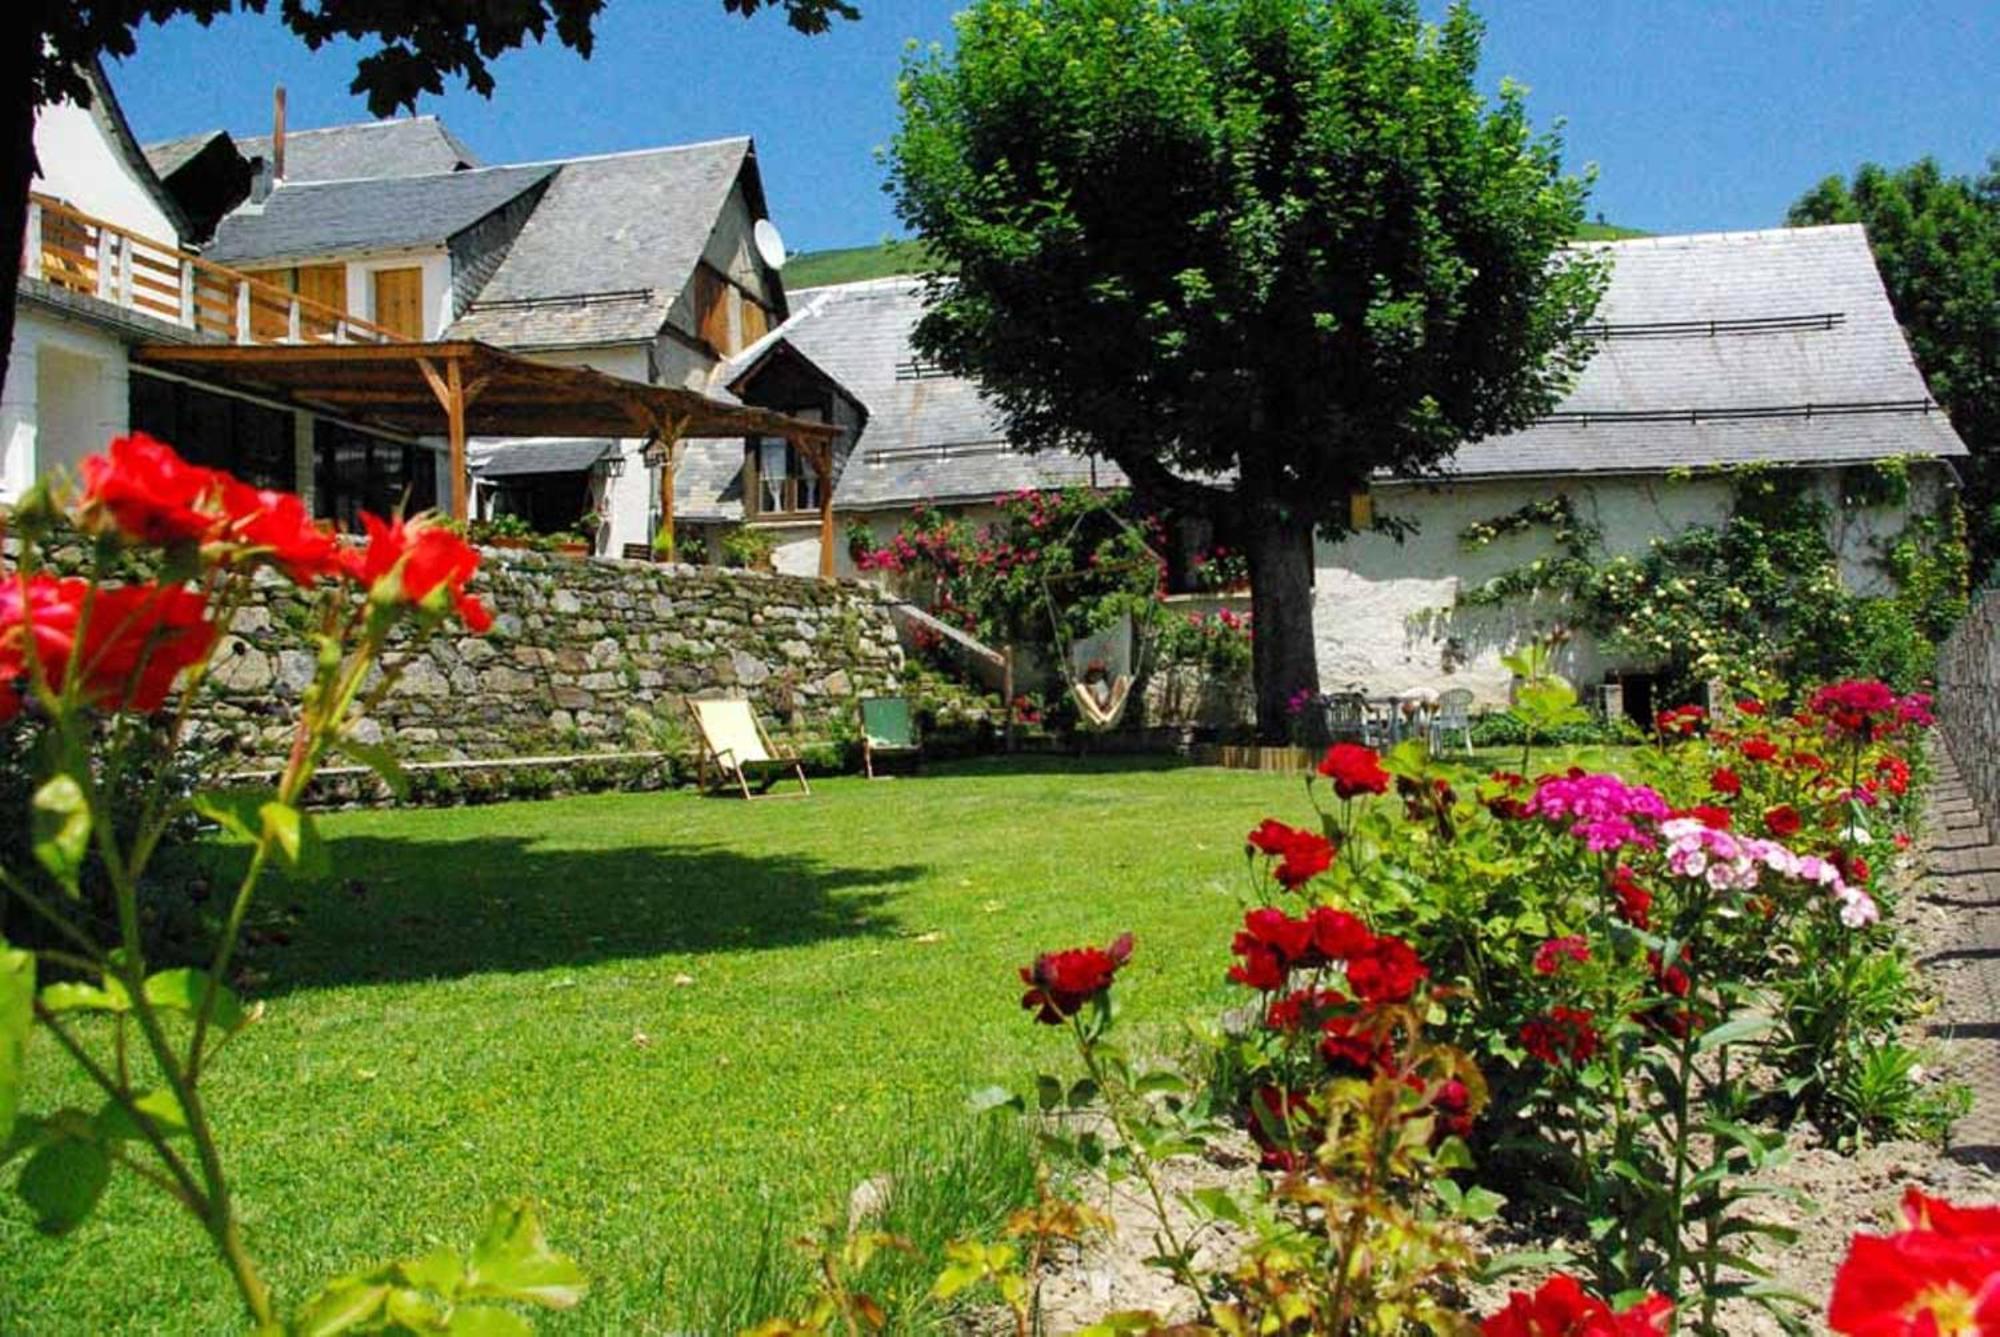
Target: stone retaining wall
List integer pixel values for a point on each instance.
(575, 646)
(1968, 699)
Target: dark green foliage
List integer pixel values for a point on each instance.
(1285, 242)
(1936, 240)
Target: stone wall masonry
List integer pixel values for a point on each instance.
(1968, 700)
(575, 646)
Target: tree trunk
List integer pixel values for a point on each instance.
(1283, 655)
(17, 168)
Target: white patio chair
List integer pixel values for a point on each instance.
(1454, 712)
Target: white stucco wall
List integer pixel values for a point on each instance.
(83, 168)
(66, 396)
(1383, 610)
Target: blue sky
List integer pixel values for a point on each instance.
(1699, 115)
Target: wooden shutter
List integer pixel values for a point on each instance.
(399, 301)
(325, 284)
(711, 310)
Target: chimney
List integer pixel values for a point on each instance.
(278, 132)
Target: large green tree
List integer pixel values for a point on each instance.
(420, 46)
(1251, 250)
(1936, 240)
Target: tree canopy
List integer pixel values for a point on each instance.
(1936, 240)
(1251, 250)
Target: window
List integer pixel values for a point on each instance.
(356, 471)
(786, 480)
(253, 441)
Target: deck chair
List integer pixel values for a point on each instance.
(888, 728)
(731, 737)
(1453, 715)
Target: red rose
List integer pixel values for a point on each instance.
(1783, 821)
(1302, 1009)
(1354, 770)
(408, 562)
(1338, 935)
(1302, 855)
(1452, 1104)
(1388, 972)
(1564, 1035)
(1748, 706)
(1725, 781)
(1060, 983)
(1562, 1308)
(1550, 956)
(137, 639)
(1759, 749)
(277, 527)
(143, 489)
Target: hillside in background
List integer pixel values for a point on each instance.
(853, 264)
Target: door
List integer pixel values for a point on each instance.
(325, 284)
(399, 301)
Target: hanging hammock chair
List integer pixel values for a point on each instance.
(1101, 666)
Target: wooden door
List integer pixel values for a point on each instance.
(399, 301)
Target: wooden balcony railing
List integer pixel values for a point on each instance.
(74, 251)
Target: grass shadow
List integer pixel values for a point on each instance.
(415, 909)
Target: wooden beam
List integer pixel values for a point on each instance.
(450, 391)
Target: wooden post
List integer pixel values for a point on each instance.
(1007, 689)
(822, 459)
(243, 311)
(451, 392)
(667, 499)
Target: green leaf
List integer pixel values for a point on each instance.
(1081, 1094)
(1743, 1026)
(342, 1307)
(412, 1311)
(486, 1321)
(180, 990)
(160, 1105)
(1218, 1203)
(17, 1019)
(1162, 1083)
(62, 1182)
(73, 996)
(237, 811)
(381, 761)
(513, 1261)
(61, 829)
(441, 1271)
(297, 839)
(992, 1098)
(1048, 1091)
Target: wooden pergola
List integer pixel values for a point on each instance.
(464, 388)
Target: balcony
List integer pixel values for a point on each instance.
(75, 252)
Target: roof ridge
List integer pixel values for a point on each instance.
(379, 123)
(456, 174)
(632, 153)
(1669, 239)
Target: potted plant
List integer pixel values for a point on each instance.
(570, 543)
(504, 531)
(860, 539)
(749, 549)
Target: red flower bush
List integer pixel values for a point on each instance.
(1060, 983)
(136, 639)
(1725, 781)
(143, 489)
(1759, 749)
(1550, 956)
(1562, 1308)
(1354, 770)
(1940, 1277)
(1272, 944)
(1565, 1035)
(277, 527)
(1635, 903)
(1302, 855)
(1783, 821)
(1680, 722)
(420, 563)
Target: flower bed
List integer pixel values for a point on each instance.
(1590, 1004)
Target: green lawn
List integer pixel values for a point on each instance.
(489, 1002)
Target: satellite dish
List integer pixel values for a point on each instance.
(770, 245)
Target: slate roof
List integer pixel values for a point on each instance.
(608, 248)
(301, 219)
(404, 146)
(929, 437)
(1804, 363)
(168, 156)
(540, 455)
